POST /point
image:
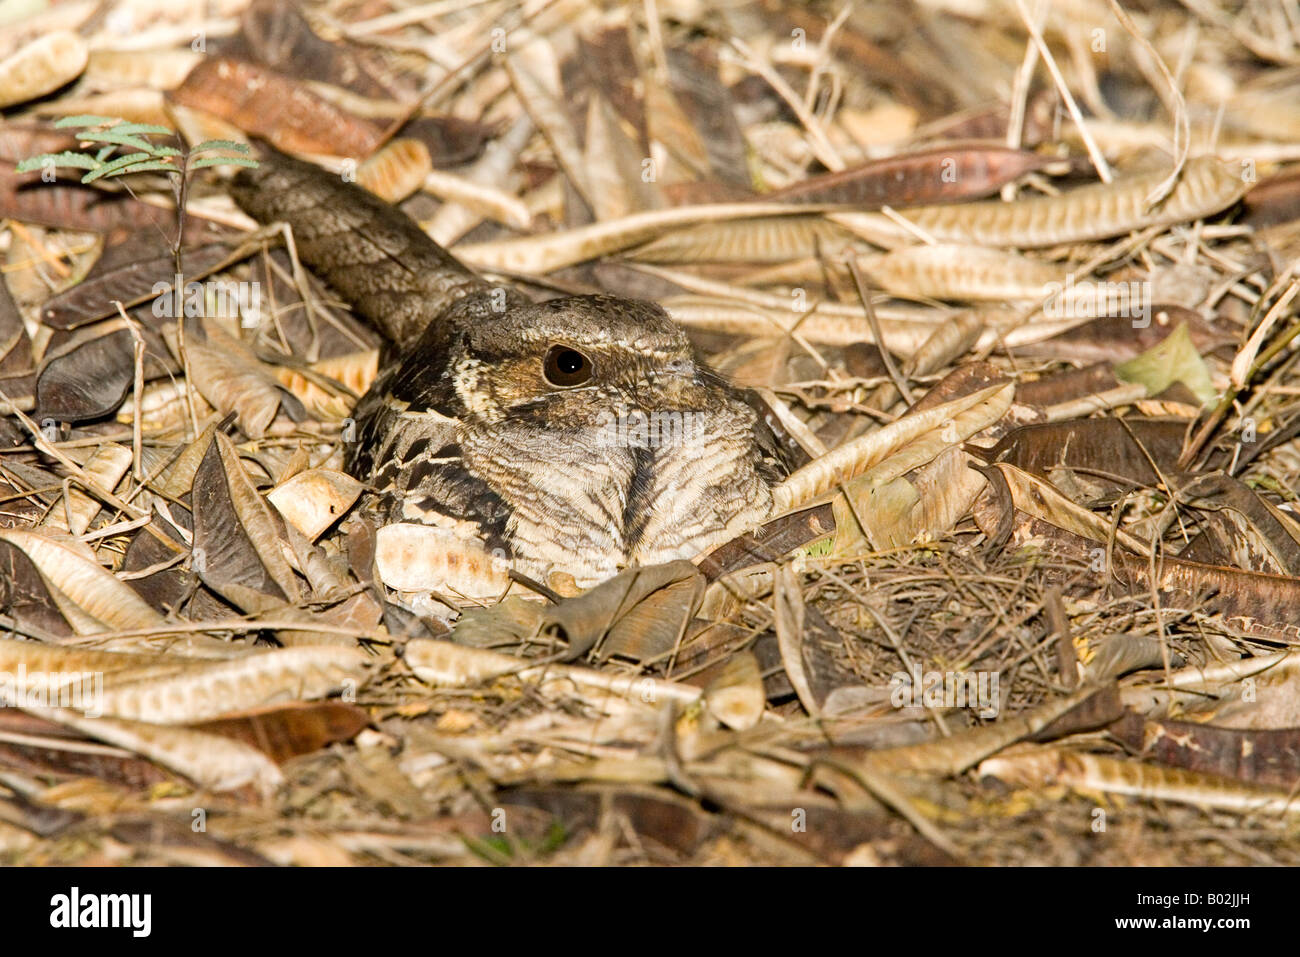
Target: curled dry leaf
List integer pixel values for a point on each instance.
(87, 377)
(1039, 498)
(106, 466)
(294, 729)
(789, 612)
(315, 499)
(640, 613)
(42, 66)
(67, 204)
(911, 509)
(146, 275)
(232, 380)
(946, 174)
(535, 75)
(17, 363)
(920, 435)
(238, 551)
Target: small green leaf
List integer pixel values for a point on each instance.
(130, 129)
(147, 167)
(109, 136)
(1172, 359)
(219, 145)
(86, 119)
(165, 151)
(224, 161)
(117, 164)
(66, 158)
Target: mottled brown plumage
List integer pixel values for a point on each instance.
(580, 434)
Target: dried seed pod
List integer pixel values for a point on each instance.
(421, 558)
(777, 239)
(206, 690)
(965, 273)
(397, 170)
(1207, 186)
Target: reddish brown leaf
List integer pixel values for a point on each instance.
(277, 108)
(288, 731)
(944, 175)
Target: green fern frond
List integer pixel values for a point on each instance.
(108, 169)
(66, 158)
(224, 160)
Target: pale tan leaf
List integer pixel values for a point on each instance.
(107, 465)
(42, 66)
(788, 605)
(1038, 498)
(736, 697)
(209, 760)
(93, 589)
(616, 165)
(899, 447)
(315, 499)
(355, 371)
(233, 381)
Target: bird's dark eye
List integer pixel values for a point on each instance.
(566, 367)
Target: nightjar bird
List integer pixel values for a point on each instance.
(581, 435)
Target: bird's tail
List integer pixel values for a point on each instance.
(371, 253)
